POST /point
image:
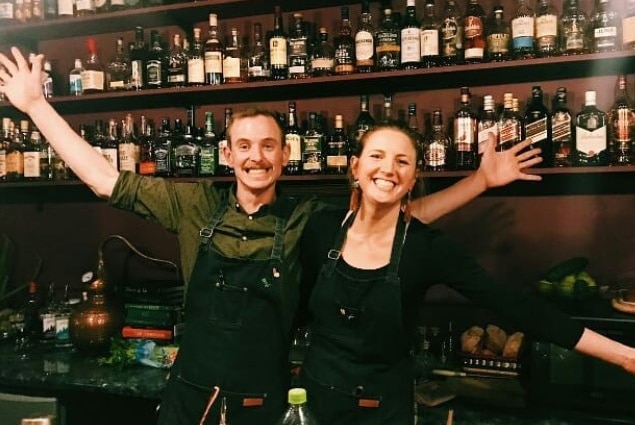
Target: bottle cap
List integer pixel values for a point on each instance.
(589, 97)
(297, 396)
(213, 19)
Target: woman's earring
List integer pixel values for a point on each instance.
(355, 184)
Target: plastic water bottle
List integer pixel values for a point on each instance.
(297, 413)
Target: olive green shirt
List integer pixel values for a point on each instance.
(185, 208)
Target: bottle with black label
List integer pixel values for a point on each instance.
(163, 150)
(538, 126)
(562, 130)
(223, 168)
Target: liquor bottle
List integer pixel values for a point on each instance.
(37, 10)
(110, 144)
(195, 61)
(297, 412)
(298, 48)
(430, 36)
(4, 144)
(156, 63)
(258, 59)
(278, 48)
(509, 126)
(48, 84)
(128, 148)
(138, 58)
(213, 53)
(147, 160)
(563, 130)
(233, 71)
(177, 64)
(574, 29)
(452, 48)
(47, 316)
(474, 33)
(522, 25)
(591, 143)
(546, 29)
(412, 124)
(85, 7)
(498, 35)
(606, 27)
(223, 168)
(208, 149)
(365, 41)
(75, 79)
(15, 157)
(93, 72)
(344, 46)
(323, 56)
(337, 149)
(538, 125)
(185, 153)
(464, 135)
(487, 124)
(33, 149)
(62, 319)
(622, 125)
(293, 139)
(437, 145)
(628, 26)
(387, 112)
(98, 137)
(388, 43)
(50, 9)
(163, 150)
(118, 70)
(410, 34)
(313, 145)
(65, 8)
(30, 330)
(363, 123)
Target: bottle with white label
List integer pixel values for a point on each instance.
(591, 136)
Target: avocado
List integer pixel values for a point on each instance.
(570, 266)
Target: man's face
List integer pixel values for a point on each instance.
(256, 153)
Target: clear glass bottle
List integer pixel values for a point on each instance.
(208, 149)
(410, 35)
(93, 76)
(591, 142)
(337, 149)
(293, 139)
(607, 27)
(195, 60)
(344, 46)
(498, 34)
(47, 315)
(474, 32)
(487, 124)
(622, 125)
(563, 130)
(75, 79)
(48, 83)
(118, 70)
(430, 36)
(452, 47)
(388, 43)
(365, 41)
(278, 48)
(574, 29)
(138, 58)
(465, 134)
(546, 29)
(213, 53)
(522, 25)
(538, 125)
(177, 64)
(258, 59)
(323, 56)
(437, 145)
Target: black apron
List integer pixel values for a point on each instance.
(358, 368)
(234, 338)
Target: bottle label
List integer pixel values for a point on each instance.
(15, 163)
(364, 48)
(207, 165)
(546, 26)
(85, 5)
(537, 130)
(75, 84)
(3, 163)
(430, 42)
(574, 36)
(6, 10)
(336, 161)
(523, 27)
(294, 141)
(155, 77)
(435, 155)
(473, 27)
(622, 125)
(111, 155)
(195, 71)
(147, 168)
(605, 37)
(213, 62)
(628, 30)
(509, 131)
(31, 164)
(484, 131)
(163, 160)
(92, 80)
(498, 43)
(590, 142)
(312, 153)
(62, 333)
(278, 51)
(464, 134)
(450, 33)
(127, 157)
(388, 50)
(231, 67)
(65, 7)
(561, 127)
(323, 63)
(410, 45)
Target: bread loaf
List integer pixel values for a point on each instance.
(472, 340)
(495, 339)
(513, 345)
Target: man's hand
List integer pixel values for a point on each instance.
(21, 83)
(501, 168)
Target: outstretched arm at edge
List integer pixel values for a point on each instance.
(593, 344)
(496, 169)
(22, 85)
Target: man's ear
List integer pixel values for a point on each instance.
(229, 158)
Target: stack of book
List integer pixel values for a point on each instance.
(154, 311)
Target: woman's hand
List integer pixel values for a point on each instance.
(501, 168)
(21, 82)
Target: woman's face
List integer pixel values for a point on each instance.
(386, 167)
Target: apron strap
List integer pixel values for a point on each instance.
(334, 253)
(395, 256)
(206, 232)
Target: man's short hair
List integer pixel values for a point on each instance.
(252, 112)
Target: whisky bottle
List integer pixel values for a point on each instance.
(365, 41)
(519, 116)
(313, 145)
(65, 8)
(388, 43)
(574, 29)
(47, 316)
(344, 46)
(110, 144)
(186, 154)
(498, 36)
(546, 29)
(293, 139)
(591, 144)
(258, 58)
(195, 61)
(163, 150)
(147, 160)
(278, 48)
(33, 151)
(363, 123)
(93, 77)
(48, 83)
(628, 25)
(223, 168)
(437, 145)
(128, 148)
(118, 70)
(98, 137)
(474, 33)
(509, 126)
(4, 144)
(451, 48)
(387, 113)
(75, 79)
(538, 125)
(412, 124)
(213, 54)
(410, 38)
(208, 149)
(430, 36)
(84, 7)
(156, 64)
(464, 135)
(234, 70)
(298, 48)
(337, 149)
(323, 56)
(177, 64)
(563, 130)
(522, 25)
(622, 125)
(606, 27)
(15, 156)
(487, 124)
(138, 58)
